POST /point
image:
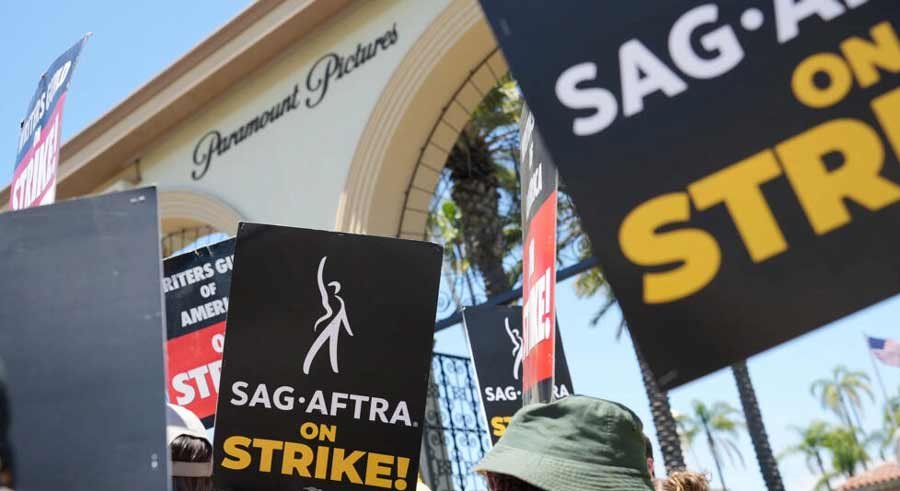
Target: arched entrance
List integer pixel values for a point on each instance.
(398, 159)
(188, 217)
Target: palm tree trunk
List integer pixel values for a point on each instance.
(768, 466)
(476, 193)
(823, 471)
(715, 455)
(666, 428)
(861, 433)
(853, 429)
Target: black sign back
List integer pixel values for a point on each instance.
(495, 339)
(326, 360)
(81, 337)
(734, 162)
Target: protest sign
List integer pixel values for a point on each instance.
(735, 163)
(196, 286)
(326, 361)
(34, 177)
(82, 334)
(539, 198)
(495, 341)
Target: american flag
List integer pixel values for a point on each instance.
(886, 350)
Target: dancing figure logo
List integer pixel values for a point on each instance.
(333, 321)
(516, 339)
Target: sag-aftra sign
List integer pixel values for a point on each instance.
(326, 360)
(735, 162)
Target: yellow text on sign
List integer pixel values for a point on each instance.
(822, 193)
(499, 424)
(319, 461)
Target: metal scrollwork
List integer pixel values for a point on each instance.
(455, 434)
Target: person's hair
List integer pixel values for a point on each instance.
(686, 481)
(504, 482)
(6, 464)
(191, 449)
(648, 446)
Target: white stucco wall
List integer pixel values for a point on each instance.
(292, 171)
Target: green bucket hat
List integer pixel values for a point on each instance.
(574, 444)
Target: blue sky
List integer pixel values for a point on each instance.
(133, 41)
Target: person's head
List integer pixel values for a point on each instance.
(574, 444)
(649, 454)
(191, 450)
(505, 482)
(686, 481)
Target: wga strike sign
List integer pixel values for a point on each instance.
(539, 183)
(736, 163)
(325, 369)
(196, 286)
(34, 178)
(495, 340)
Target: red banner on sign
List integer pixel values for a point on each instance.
(539, 294)
(34, 180)
(194, 365)
(539, 197)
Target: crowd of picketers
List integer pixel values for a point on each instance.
(577, 443)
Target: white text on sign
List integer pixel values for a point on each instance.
(822, 192)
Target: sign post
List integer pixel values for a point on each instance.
(539, 199)
(735, 163)
(495, 341)
(326, 362)
(34, 177)
(196, 286)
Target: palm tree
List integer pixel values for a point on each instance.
(592, 283)
(885, 438)
(478, 234)
(768, 466)
(846, 452)
(663, 420)
(812, 444)
(476, 168)
(852, 384)
(719, 423)
(841, 394)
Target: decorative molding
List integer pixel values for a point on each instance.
(180, 208)
(398, 128)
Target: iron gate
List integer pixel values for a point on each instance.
(455, 437)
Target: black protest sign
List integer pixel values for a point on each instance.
(734, 162)
(495, 340)
(81, 338)
(196, 286)
(326, 361)
(539, 199)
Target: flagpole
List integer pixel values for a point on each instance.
(887, 401)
